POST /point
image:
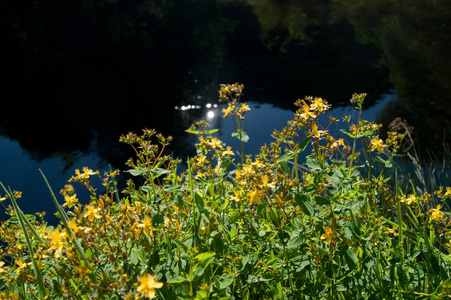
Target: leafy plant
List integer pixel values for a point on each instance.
(272, 226)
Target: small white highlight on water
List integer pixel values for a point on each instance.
(210, 114)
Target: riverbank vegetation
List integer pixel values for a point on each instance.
(338, 223)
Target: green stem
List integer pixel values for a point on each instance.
(398, 208)
(241, 131)
(296, 169)
(154, 192)
(290, 280)
(353, 146)
(193, 204)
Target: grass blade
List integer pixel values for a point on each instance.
(21, 218)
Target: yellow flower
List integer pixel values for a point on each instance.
(448, 191)
(201, 159)
(278, 200)
(255, 197)
(247, 169)
(132, 229)
(236, 198)
(436, 214)
(315, 132)
(377, 144)
(92, 213)
(227, 110)
(215, 143)
(82, 271)
(354, 129)
(228, 151)
(1, 267)
(258, 163)
(265, 180)
(146, 226)
(448, 245)
(58, 241)
(411, 199)
(70, 200)
(307, 113)
(68, 189)
(86, 173)
(244, 108)
(319, 105)
(328, 235)
(21, 265)
(393, 230)
(73, 226)
(148, 285)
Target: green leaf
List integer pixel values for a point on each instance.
(241, 135)
(284, 237)
(354, 229)
(172, 188)
(287, 156)
(348, 133)
(234, 217)
(233, 233)
(386, 163)
(177, 279)
(250, 260)
(435, 264)
(304, 202)
(134, 257)
(341, 287)
(401, 275)
(226, 281)
(284, 168)
(181, 245)
(351, 258)
(304, 144)
(368, 132)
(413, 255)
(348, 233)
(218, 244)
(202, 132)
(321, 201)
(135, 172)
(200, 267)
(295, 240)
(312, 163)
(301, 261)
(157, 220)
(291, 154)
(157, 172)
(199, 200)
(204, 256)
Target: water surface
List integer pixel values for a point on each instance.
(81, 73)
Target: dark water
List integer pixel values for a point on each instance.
(78, 74)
